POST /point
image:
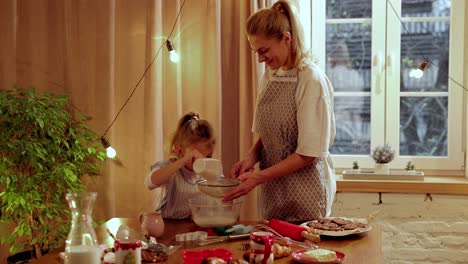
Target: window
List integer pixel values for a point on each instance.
(368, 49)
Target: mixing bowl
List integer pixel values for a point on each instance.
(213, 212)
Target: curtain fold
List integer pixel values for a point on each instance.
(95, 52)
(240, 78)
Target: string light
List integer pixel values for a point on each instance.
(419, 72)
(426, 60)
(110, 151)
(174, 57)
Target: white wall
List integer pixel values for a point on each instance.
(415, 228)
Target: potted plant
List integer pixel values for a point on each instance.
(382, 155)
(355, 165)
(44, 151)
(410, 167)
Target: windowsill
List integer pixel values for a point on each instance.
(455, 185)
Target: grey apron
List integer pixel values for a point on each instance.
(301, 195)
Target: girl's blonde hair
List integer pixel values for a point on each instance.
(191, 129)
(274, 22)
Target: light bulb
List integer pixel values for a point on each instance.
(174, 57)
(110, 152)
(416, 73)
(419, 72)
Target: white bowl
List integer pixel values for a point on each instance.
(212, 212)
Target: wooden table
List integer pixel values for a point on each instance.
(359, 249)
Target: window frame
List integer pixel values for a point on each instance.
(384, 100)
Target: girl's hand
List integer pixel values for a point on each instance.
(192, 154)
(243, 166)
(249, 181)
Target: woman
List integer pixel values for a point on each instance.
(295, 122)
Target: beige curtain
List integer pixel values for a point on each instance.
(96, 51)
(240, 77)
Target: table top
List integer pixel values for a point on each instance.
(361, 248)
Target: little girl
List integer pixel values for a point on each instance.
(192, 140)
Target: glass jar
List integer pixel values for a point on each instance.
(81, 244)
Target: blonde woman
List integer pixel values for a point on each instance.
(294, 120)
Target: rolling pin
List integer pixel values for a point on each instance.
(296, 232)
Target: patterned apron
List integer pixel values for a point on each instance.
(302, 195)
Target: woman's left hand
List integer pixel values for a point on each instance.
(248, 181)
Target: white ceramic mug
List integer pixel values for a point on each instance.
(260, 247)
(125, 252)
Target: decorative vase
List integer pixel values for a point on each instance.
(381, 168)
(81, 245)
(152, 224)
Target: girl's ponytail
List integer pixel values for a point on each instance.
(191, 129)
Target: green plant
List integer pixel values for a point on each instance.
(44, 151)
(383, 154)
(355, 165)
(410, 165)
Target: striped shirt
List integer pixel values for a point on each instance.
(180, 187)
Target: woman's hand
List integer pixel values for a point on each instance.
(243, 166)
(249, 181)
(248, 163)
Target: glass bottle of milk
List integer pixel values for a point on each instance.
(81, 244)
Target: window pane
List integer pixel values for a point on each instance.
(430, 40)
(423, 126)
(352, 125)
(425, 8)
(348, 50)
(349, 8)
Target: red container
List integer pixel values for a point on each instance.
(196, 257)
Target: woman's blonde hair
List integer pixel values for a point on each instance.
(274, 22)
(191, 129)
